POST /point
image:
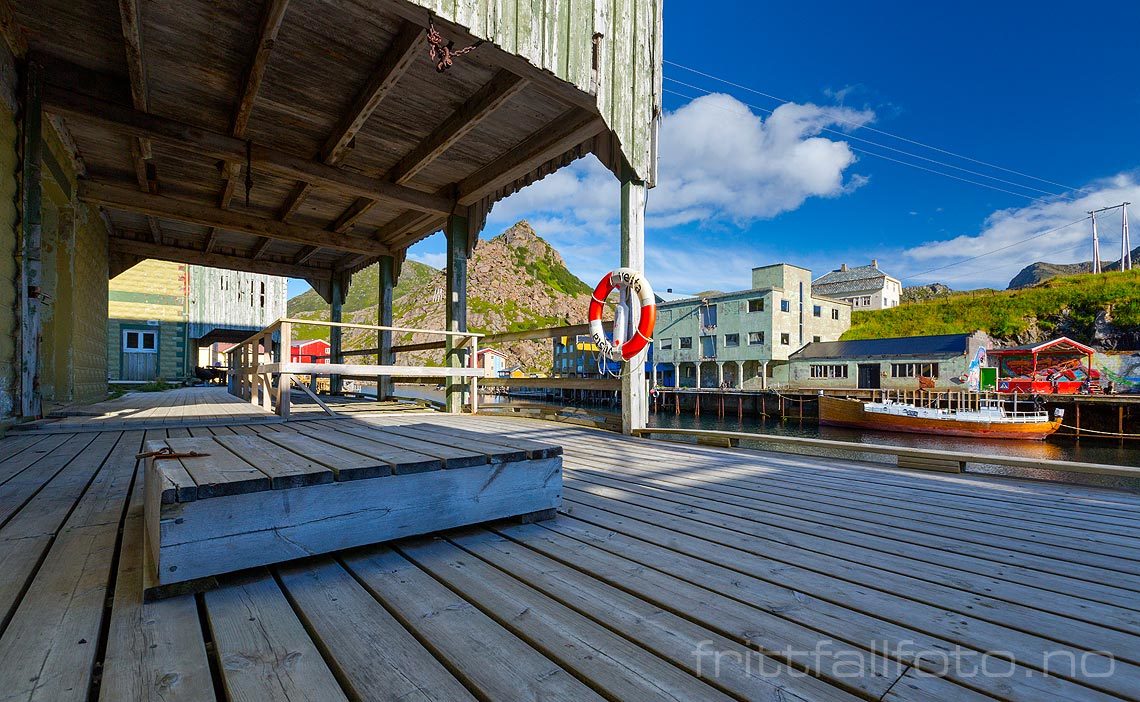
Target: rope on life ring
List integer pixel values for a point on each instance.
(635, 282)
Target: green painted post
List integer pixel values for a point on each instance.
(387, 265)
(456, 233)
(336, 308)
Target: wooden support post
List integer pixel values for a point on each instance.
(1078, 412)
(285, 380)
(1120, 422)
(336, 313)
(456, 307)
(31, 232)
(634, 409)
(387, 265)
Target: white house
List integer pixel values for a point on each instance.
(864, 287)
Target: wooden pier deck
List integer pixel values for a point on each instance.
(672, 572)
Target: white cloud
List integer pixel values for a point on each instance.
(721, 166)
(1006, 229)
(435, 260)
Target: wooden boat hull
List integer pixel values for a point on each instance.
(845, 412)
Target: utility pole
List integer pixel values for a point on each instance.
(1125, 244)
(1096, 245)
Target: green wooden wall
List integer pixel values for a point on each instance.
(558, 35)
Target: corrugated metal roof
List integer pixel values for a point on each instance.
(941, 345)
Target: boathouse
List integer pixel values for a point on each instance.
(895, 363)
(291, 138)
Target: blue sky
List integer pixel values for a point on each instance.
(1049, 93)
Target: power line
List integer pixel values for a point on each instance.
(888, 158)
(998, 250)
(880, 131)
(848, 135)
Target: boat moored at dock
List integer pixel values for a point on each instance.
(990, 420)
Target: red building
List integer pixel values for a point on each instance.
(1061, 366)
(315, 351)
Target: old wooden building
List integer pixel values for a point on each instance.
(290, 137)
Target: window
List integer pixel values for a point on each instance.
(815, 339)
(914, 370)
(835, 314)
(731, 340)
(828, 370)
(785, 339)
(667, 344)
(708, 347)
(816, 311)
(686, 342)
(756, 305)
(137, 341)
(708, 316)
(755, 338)
(263, 295)
(785, 305)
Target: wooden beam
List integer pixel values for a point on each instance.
(30, 286)
(261, 247)
(480, 105)
(206, 144)
(177, 254)
(305, 254)
(117, 197)
(272, 15)
(395, 62)
(568, 130)
(477, 108)
(12, 31)
(399, 226)
(211, 239)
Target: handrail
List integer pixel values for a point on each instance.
(373, 327)
(905, 451)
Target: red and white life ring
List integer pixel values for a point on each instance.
(635, 282)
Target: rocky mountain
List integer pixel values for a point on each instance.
(515, 281)
(1039, 272)
(921, 293)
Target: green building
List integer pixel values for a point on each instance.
(743, 339)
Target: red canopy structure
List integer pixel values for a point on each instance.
(1059, 366)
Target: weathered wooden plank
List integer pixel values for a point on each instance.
(155, 650)
(532, 449)
(402, 460)
(592, 652)
(284, 468)
(16, 491)
(371, 652)
(453, 456)
(16, 461)
(346, 465)
(669, 635)
(486, 657)
(263, 650)
(207, 537)
(471, 453)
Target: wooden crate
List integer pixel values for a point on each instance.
(296, 492)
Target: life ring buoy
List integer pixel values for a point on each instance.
(635, 282)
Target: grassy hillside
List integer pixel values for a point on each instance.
(1066, 305)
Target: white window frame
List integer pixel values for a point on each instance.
(140, 332)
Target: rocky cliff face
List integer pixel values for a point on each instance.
(921, 293)
(515, 281)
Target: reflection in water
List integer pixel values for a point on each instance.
(1109, 453)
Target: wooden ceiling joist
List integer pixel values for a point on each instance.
(272, 15)
(261, 247)
(118, 197)
(396, 60)
(474, 110)
(203, 143)
(564, 133)
(142, 249)
(141, 152)
(305, 254)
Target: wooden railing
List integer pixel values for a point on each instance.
(256, 361)
(936, 459)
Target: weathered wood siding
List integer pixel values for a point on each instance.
(558, 36)
(234, 300)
